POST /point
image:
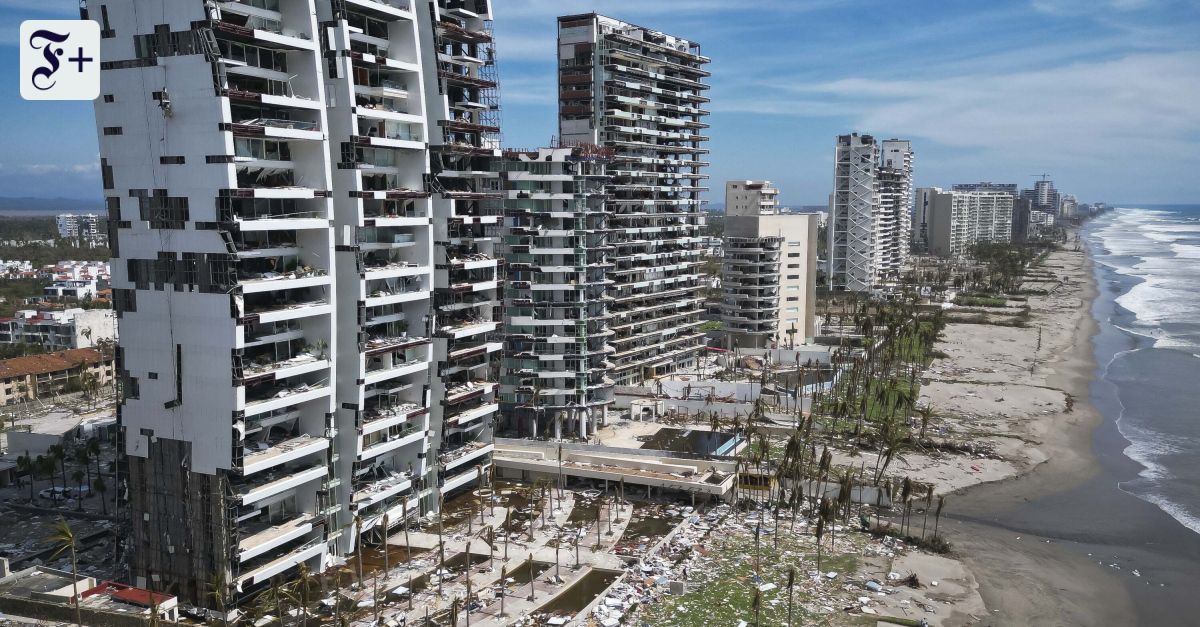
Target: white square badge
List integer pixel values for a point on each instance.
(60, 60)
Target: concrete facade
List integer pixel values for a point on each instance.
(870, 212)
(638, 92)
(302, 211)
(959, 220)
(769, 271)
(554, 375)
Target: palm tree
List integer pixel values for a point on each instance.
(503, 587)
(301, 591)
(77, 477)
(386, 547)
(937, 515)
(218, 591)
(925, 412)
(93, 449)
(45, 466)
(820, 534)
(928, 504)
(84, 458)
(358, 542)
(64, 540)
(532, 592)
(790, 584)
(25, 463)
(100, 487)
(59, 455)
(407, 545)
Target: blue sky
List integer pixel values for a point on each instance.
(1102, 94)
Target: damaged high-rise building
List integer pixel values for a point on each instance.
(639, 92)
(870, 212)
(303, 211)
(554, 374)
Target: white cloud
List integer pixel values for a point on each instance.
(41, 169)
(1082, 7)
(1142, 102)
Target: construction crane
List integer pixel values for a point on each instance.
(1043, 176)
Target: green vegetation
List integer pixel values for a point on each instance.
(40, 255)
(25, 228)
(711, 325)
(15, 291)
(980, 301)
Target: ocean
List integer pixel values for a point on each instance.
(1148, 349)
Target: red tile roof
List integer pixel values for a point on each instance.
(50, 362)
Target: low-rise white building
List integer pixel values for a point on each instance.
(59, 330)
(77, 289)
(77, 270)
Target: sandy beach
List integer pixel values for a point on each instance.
(997, 387)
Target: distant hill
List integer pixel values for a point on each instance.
(25, 206)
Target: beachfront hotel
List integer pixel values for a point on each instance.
(769, 269)
(957, 220)
(639, 92)
(869, 212)
(303, 205)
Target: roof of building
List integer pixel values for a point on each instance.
(49, 362)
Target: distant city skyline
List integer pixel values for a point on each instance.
(1100, 95)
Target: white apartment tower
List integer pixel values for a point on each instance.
(895, 203)
(869, 212)
(639, 92)
(285, 226)
(957, 220)
(76, 226)
(853, 228)
(769, 270)
(554, 375)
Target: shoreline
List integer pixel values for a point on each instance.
(1029, 579)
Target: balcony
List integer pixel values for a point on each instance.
(263, 538)
(283, 368)
(456, 457)
(279, 396)
(368, 493)
(467, 328)
(261, 456)
(278, 129)
(302, 277)
(465, 416)
(371, 447)
(276, 482)
(260, 30)
(381, 419)
(389, 269)
(262, 571)
(466, 391)
(387, 366)
(387, 8)
(285, 309)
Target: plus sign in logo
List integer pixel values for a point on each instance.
(60, 60)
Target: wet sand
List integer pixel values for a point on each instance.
(1059, 545)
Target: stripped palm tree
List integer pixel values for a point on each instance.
(820, 533)
(63, 539)
(937, 515)
(928, 504)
